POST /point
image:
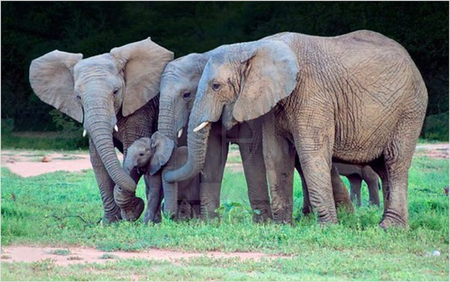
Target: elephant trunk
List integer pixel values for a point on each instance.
(98, 123)
(197, 145)
(167, 121)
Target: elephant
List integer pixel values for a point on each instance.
(116, 97)
(147, 156)
(178, 88)
(354, 98)
(356, 174)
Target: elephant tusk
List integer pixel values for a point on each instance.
(84, 133)
(201, 126)
(180, 132)
(116, 128)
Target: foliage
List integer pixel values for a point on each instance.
(437, 127)
(45, 210)
(31, 29)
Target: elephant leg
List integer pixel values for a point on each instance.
(315, 160)
(111, 211)
(279, 159)
(212, 175)
(340, 192)
(380, 168)
(255, 176)
(154, 197)
(398, 157)
(307, 208)
(355, 188)
(371, 178)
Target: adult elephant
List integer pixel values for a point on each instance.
(356, 98)
(178, 91)
(179, 84)
(115, 96)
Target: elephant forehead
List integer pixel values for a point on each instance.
(101, 64)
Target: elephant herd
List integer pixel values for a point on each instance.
(352, 104)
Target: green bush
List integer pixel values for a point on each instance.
(436, 127)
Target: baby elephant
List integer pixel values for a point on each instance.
(356, 174)
(148, 155)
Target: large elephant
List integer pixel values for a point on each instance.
(356, 174)
(178, 91)
(115, 96)
(355, 98)
(178, 88)
(147, 156)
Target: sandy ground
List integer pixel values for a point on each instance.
(74, 255)
(27, 164)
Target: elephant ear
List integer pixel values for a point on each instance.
(163, 148)
(143, 63)
(51, 77)
(268, 74)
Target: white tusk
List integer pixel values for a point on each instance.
(201, 126)
(116, 128)
(84, 133)
(180, 132)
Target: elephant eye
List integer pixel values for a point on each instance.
(216, 86)
(116, 90)
(78, 97)
(186, 95)
(141, 154)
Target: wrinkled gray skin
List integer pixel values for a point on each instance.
(147, 156)
(120, 89)
(356, 98)
(356, 174)
(178, 88)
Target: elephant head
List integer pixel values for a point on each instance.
(178, 88)
(178, 91)
(240, 83)
(97, 89)
(148, 155)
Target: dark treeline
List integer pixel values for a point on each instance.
(31, 29)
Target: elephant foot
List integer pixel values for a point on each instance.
(326, 215)
(282, 216)
(155, 218)
(346, 205)
(391, 220)
(112, 215)
(307, 210)
(262, 214)
(108, 218)
(135, 213)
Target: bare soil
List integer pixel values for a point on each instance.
(74, 255)
(28, 163)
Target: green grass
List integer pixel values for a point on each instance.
(46, 210)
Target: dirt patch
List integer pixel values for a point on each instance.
(434, 151)
(29, 163)
(77, 255)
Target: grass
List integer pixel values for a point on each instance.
(46, 210)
